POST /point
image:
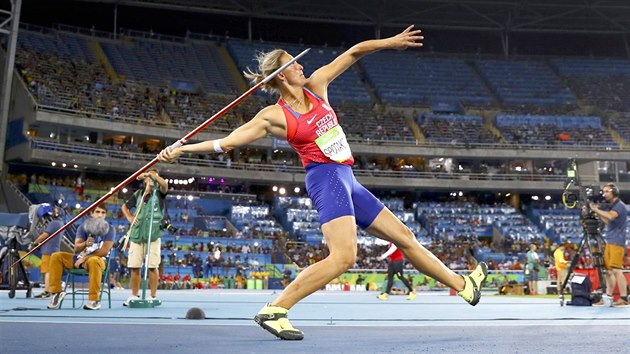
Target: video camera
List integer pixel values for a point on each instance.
(577, 195)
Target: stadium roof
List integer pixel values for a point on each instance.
(505, 16)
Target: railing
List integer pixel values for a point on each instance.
(236, 197)
(124, 155)
(121, 119)
(180, 126)
(84, 31)
(151, 35)
(19, 193)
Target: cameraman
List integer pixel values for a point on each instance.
(615, 218)
(142, 200)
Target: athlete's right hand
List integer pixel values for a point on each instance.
(168, 155)
(407, 38)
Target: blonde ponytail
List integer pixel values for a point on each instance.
(268, 62)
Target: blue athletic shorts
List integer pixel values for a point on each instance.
(335, 192)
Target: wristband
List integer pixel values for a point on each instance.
(217, 145)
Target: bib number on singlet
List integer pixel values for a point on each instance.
(334, 145)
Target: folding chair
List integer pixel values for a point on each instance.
(74, 273)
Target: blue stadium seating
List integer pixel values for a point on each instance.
(525, 82)
(587, 67)
(454, 128)
(545, 130)
(408, 79)
(161, 63)
(65, 45)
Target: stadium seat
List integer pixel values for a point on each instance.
(71, 280)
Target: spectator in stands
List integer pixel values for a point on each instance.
(395, 266)
(207, 268)
(51, 215)
(177, 281)
(304, 117)
(360, 279)
(561, 266)
(547, 247)
(228, 265)
(616, 220)
(503, 284)
(94, 240)
(286, 277)
(79, 184)
(532, 269)
(147, 220)
(172, 258)
(197, 267)
(167, 281)
(187, 282)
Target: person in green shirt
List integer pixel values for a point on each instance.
(142, 200)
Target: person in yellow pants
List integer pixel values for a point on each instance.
(50, 247)
(94, 240)
(561, 266)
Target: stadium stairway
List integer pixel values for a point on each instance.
(488, 118)
(241, 84)
(618, 138)
(410, 115)
(273, 271)
(102, 59)
(231, 229)
(3, 201)
(415, 129)
(368, 86)
(14, 200)
(475, 69)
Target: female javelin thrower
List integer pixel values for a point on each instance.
(304, 117)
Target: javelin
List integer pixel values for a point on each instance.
(155, 160)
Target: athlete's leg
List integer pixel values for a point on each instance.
(341, 238)
(388, 227)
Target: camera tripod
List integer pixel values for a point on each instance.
(7, 256)
(591, 233)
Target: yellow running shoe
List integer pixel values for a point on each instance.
(383, 296)
(274, 320)
(412, 295)
(473, 284)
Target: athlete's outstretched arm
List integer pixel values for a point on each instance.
(389, 252)
(247, 133)
(327, 73)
